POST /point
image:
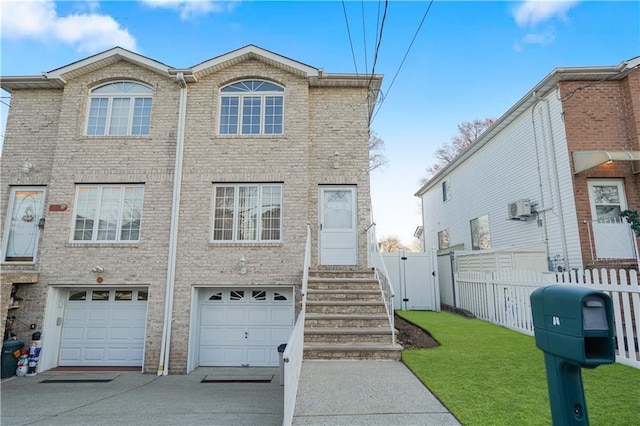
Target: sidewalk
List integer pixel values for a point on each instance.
(365, 393)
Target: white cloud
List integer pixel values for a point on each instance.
(39, 20)
(192, 8)
(543, 38)
(533, 12)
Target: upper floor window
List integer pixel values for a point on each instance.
(120, 108)
(480, 237)
(446, 190)
(252, 107)
(108, 213)
(247, 212)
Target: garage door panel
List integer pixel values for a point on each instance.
(96, 333)
(280, 335)
(258, 315)
(212, 315)
(70, 355)
(258, 336)
(72, 333)
(118, 354)
(235, 315)
(98, 314)
(233, 335)
(94, 354)
(281, 316)
(258, 356)
(75, 314)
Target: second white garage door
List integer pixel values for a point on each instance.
(244, 326)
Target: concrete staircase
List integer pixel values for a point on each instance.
(346, 318)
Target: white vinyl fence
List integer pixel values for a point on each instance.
(503, 298)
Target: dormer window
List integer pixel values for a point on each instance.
(122, 108)
(252, 107)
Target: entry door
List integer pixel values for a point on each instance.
(22, 233)
(338, 226)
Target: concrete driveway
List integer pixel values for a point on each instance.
(248, 396)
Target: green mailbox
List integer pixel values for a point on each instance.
(573, 326)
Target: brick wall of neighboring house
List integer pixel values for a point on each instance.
(46, 127)
(602, 116)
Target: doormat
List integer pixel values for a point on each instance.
(80, 378)
(255, 378)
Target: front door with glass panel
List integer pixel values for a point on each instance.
(21, 233)
(338, 226)
(612, 236)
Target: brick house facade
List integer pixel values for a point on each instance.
(181, 253)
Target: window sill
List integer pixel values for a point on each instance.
(102, 245)
(239, 244)
(218, 136)
(113, 137)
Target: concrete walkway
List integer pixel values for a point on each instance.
(365, 393)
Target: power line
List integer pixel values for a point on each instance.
(5, 103)
(364, 39)
(404, 58)
(353, 54)
(377, 50)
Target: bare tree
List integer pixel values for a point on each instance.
(468, 132)
(376, 157)
(390, 244)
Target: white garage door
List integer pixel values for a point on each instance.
(104, 327)
(244, 326)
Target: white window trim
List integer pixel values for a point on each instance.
(262, 96)
(94, 232)
(234, 231)
(110, 97)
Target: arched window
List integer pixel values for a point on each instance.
(120, 108)
(252, 107)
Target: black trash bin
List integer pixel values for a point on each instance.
(9, 360)
(281, 349)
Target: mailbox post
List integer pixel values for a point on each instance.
(573, 326)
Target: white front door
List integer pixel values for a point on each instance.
(244, 326)
(104, 327)
(338, 226)
(21, 235)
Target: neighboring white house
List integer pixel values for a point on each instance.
(553, 173)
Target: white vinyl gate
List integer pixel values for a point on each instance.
(414, 281)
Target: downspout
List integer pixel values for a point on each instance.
(165, 346)
(556, 180)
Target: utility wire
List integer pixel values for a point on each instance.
(377, 50)
(403, 59)
(364, 39)
(346, 20)
(5, 103)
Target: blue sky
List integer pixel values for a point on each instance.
(468, 60)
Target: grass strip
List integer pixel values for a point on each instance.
(489, 375)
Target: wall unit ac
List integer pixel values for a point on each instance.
(520, 209)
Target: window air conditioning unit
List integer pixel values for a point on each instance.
(520, 209)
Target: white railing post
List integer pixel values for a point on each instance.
(382, 275)
(294, 351)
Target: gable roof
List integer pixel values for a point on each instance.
(253, 52)
(597, 73)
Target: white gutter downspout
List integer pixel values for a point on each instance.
(556, 181)
(165, 346)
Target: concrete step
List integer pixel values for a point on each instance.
(345, 307)
(344, 294)
(380, 335)
(342, 284)
(335, 274)
(346, 320)
(352, 351)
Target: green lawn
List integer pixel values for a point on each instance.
(489, 375)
